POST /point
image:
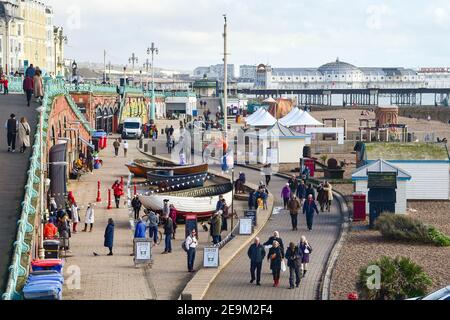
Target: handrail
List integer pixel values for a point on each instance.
(15, 84)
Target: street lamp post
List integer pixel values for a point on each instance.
(147, 65)
(152, 49)
(133, 59)
(59, 39)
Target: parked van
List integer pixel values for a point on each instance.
(132, 128)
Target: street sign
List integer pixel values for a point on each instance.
(142, 250)
(245, 226)
(211, 257)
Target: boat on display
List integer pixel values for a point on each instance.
(165, 179)
(140, 168)
(198, 201)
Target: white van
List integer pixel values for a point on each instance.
(132, 128)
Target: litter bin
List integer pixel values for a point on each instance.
(359, 207)
(154, 151)
(51, 248)
(102, 138)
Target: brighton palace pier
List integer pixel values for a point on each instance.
(341, 83)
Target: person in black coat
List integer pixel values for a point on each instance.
(275, 237)
(309, 207)
(252, 200)
(293, 257)
(136, 204)
(109, 236)
(168, 231)
(310, 190)
(275, 257)
(256, 253)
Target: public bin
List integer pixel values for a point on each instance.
(310, 164)
(51, 248)
(359, 207)
(102, 138)
(47, 264)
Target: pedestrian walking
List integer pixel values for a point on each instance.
(310, 191)
(294, 207)
(38, 86)
(252, 200)
(153, 221)
(301, 191)
(328, 189)
(293, 258)
(75, 217)
(275, 237)
(267, 170)
(139, 229)
(285, 195)
(136, 204)
(191, 244)
(173, 215)
(309, 207)
(89, 218)
(63, 231)
(116, 145)
(31, 71)
(125, 148)
(166, 208)
(170, 144)
(293, 184)
(109, 236)
(168, 232)
(275, 257)
(305, 250)
(321, 196)
(216, 227)
(256, 253)
(11, 132)
(28, 87)
(118, 192)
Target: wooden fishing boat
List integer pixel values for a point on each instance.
(198, 201)
(166, 180)
(177, 170)
(134, 169)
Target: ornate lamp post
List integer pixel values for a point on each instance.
(60, 38)
(133, 59)
(152, 50)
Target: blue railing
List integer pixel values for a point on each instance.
(91, 87)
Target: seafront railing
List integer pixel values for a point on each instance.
(15, 84)
(19, 268)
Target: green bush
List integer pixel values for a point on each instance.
(404, 228)
(401, 278)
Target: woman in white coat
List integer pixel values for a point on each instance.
(75, 217)
(24, 134)
(89, 218)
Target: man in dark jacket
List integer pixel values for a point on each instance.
(216, 227)
(309, 207)
(11, 128)
(168, 231)
(136, 204)
(140, 229)
(301, 190)
(294, 209)
(256, 253)
(275, 237)
(28, 88)
(310, 191)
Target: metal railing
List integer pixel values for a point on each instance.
(19, 267)
(15, 84)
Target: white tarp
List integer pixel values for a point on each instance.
(295, 113)
(303, 119)
(263, 120)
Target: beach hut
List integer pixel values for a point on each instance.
(427, 163)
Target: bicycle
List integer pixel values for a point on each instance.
(160, 235)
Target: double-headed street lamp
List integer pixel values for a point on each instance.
(152, 50)
(60, 38)
(133, 59)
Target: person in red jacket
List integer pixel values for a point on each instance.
(28, 88)
(173, 216)
(118, 192)
(50, 230)
(4, 81)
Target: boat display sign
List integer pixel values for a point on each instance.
(211, 257)
(142, 251)
(245, 226)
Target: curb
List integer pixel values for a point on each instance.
(198, 286)
(325, 288)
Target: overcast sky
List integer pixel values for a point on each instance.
(284, 33)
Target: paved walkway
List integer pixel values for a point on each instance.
(233, 282)
(115, 278)
(13, 168)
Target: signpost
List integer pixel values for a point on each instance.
(245, 226)
(142, 251)
(211, 257)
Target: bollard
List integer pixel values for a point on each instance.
(99, 198)
(146, 147)
(109, 200)
(141, 142)
(153, 151)
(135, 190)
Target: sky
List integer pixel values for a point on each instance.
(283, 33)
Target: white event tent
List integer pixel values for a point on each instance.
(264, 119)
(299, 118)
(295, 112)
(255, 114)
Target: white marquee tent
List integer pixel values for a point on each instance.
(300, 119)
(255, 115)
(264, 119)
(295, 113)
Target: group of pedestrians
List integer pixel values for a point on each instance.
(295, 257)
(20, 130)
(117, 144)
(33, 83)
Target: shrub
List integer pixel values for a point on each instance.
(401, 278)
(404, 228)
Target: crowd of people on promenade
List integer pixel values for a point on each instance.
(295, 257)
